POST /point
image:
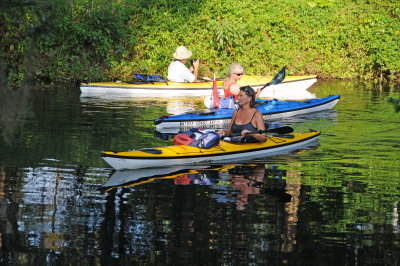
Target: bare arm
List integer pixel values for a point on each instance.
(196, 65)
(258, 92)
(260, 125)
(229, 129)
(235, 89)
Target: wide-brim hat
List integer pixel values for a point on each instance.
(182, 53)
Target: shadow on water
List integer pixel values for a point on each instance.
(13, 105)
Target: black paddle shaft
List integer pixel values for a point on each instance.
(278, 130)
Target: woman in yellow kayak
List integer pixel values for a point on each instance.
(247, 118)
(230, 86)
(178, 72)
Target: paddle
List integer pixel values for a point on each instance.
(278, 130)
(202, 112)
(277, 79)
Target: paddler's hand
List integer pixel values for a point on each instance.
(244, 131)
(221, 132)
(196, 63)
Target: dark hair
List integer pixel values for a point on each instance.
(250, 93)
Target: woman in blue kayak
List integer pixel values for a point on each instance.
(247, 118)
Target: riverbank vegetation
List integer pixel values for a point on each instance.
(99, 40)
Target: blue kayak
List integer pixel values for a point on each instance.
(271, 110)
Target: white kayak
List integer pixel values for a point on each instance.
(291, 85)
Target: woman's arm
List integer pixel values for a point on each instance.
(196, 65)
(260, 125)
(258, 92)
(235, 89)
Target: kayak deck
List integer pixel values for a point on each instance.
(224, 147)
(183, 154)
(246, 80)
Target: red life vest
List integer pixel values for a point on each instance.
(229, 93)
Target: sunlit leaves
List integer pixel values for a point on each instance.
(331, 38)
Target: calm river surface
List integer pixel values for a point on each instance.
(334, 203)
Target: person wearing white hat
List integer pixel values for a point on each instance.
(178, 72)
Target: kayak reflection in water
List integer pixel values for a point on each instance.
(203, 177)
(246, 119)
(250, 180)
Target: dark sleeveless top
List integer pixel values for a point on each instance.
(237, 129)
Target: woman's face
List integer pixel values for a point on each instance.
(243, 98)
(237, 75)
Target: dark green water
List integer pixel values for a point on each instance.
(334, 203)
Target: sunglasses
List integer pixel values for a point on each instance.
(238, 74)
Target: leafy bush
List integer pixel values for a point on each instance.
(108, 40)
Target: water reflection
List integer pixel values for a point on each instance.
(244, 179)
(131, 178)
(51, 204)
(344, 195)
(188, 208)
(249, 180)
(14, 106)
(173, 105)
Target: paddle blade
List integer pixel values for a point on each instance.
(281, 130)
(216, 102)
(279, 77)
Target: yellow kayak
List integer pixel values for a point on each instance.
(248, 178)
(225, 151)
(173, 89)
(135, 177)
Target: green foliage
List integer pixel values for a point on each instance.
(105, 40)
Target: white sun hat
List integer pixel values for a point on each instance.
(182, 53)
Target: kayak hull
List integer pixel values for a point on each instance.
(224, 152)
(271, 110)
(291, 84)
